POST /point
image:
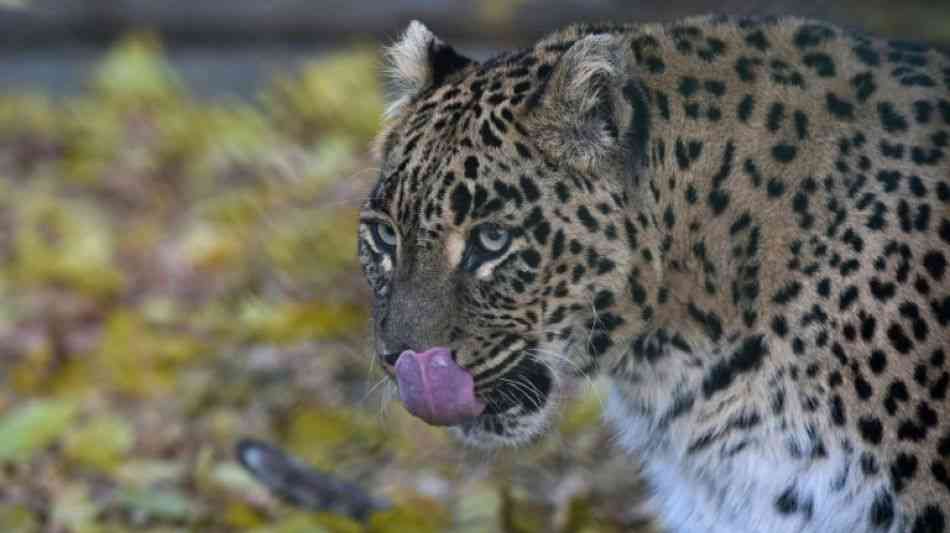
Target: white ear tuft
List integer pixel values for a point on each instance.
(408, 58)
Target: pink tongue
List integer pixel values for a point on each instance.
(435, 388)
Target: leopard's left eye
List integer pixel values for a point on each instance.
(492, 238)
(385, 236)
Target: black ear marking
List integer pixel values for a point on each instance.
(638, 133)
(604, 109)
(444, 61)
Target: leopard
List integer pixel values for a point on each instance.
(741, 224)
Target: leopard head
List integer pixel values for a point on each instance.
(497, 240)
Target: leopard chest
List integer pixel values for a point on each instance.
(744, 481)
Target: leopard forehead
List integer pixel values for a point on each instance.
(460, 151)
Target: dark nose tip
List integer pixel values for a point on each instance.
(389, 359)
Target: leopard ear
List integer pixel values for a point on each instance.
(417, 61)
(581, 117)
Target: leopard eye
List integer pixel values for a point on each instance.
(492, 239)
(385, 236)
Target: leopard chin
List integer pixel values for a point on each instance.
(505, 430)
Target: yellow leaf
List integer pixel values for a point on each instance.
(297, 522)
(320, 434)
(101, 444)
(340, 92)
(241, 515)
(139, 360)
(294, 321)
(65, 243)
(417, 514)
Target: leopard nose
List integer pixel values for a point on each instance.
(389, 359)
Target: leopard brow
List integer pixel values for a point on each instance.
(501, 214)
(376, 218)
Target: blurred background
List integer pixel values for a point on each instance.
(179, 183)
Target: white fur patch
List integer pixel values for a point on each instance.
(486, 269)
(711, 494)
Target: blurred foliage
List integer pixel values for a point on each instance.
(500, 13)
(176, 274)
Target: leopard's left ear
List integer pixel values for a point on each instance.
(417, 61)
(582, 118)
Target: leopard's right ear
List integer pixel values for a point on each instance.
(417, 61)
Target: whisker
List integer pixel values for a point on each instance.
(538, 352)
(532, 394)
(372, 389)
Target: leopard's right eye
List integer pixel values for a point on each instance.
(385, 236)
(492, 239)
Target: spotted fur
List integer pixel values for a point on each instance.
(745, 224)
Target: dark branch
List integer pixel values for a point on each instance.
(302, 485)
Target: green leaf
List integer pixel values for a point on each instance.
(142, 473)
(298, 522)
(136, 71)
(32, 427)
(479, 509)
(17, 519)
(157, 504)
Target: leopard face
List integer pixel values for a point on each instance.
(457, 265)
